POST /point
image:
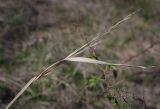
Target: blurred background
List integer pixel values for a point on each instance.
(36, 33)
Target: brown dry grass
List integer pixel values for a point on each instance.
(48, 40)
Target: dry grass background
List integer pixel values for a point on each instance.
(34, 34)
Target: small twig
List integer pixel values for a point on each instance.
(142, 52)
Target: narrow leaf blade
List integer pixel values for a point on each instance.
(85, 60)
